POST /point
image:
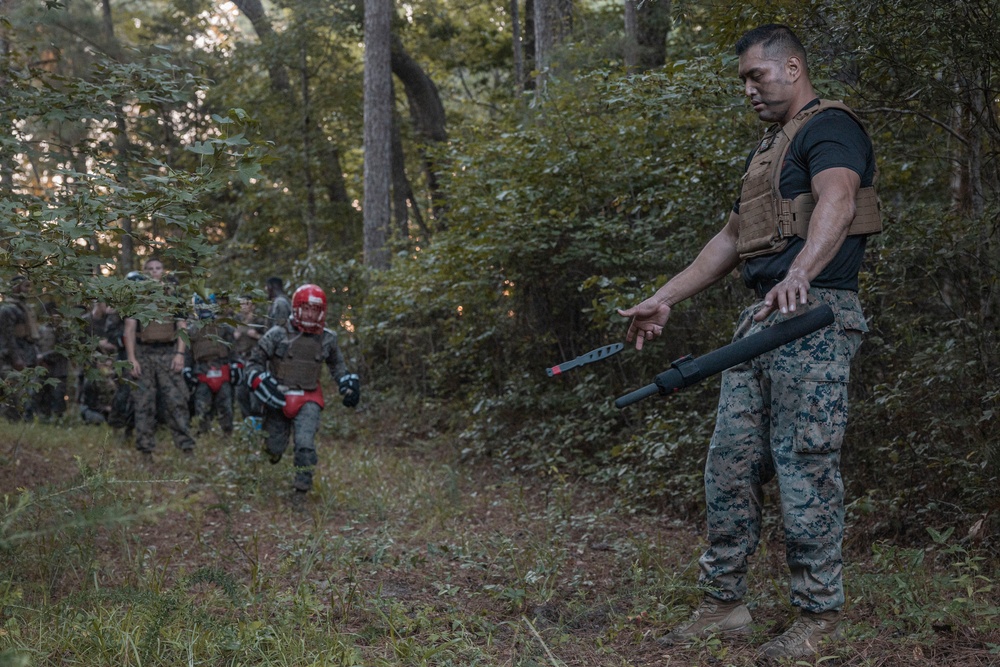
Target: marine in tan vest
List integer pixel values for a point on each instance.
(249, 331)
(798, 233)
(208, 370)
(19, 336)
(156, 352)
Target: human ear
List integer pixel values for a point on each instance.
(793, 67)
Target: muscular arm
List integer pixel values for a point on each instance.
(834, 191)
(714, 262)
(180, 358)
(129, 339)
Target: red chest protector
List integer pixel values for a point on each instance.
(215, 378)
(296, 398)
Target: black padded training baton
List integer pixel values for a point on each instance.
(687, 371)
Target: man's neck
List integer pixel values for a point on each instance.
(801, 101)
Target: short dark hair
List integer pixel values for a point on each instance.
(275, 282)
(774, 38)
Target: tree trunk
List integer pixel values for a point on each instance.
(528, 41)
(515, 27)
(377, 132)
(970, 114)
(653, 22)
(426, 112)
(544, 41)
(334, 182)
(630, 47)
(254, 11)
(400, 183)
(6, 122)
(553, 23)
(123, 146)
(309, 214)
(404, 202)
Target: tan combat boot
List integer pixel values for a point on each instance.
(803, 638)
(712, 617)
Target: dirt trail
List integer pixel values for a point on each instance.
(544, 569)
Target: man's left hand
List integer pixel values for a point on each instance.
(350, 388)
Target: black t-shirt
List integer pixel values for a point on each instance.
(830, 139)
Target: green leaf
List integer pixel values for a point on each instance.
(201, 148)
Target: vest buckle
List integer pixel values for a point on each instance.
(785, 218)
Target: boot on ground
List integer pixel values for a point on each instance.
(712, 617)
(804, 637)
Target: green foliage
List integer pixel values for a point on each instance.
(75, 196)
(404, 558)
(928, 591)
(613, 184)
(554, 216)
(553, 223)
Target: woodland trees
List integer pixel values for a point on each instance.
(534, 181)
(377, 132)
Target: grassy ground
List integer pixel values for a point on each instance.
(403, 556)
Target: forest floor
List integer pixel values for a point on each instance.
(403, 555)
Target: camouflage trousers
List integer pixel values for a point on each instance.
(17, 402)
(208, 404)
(303, 429)
(783, 415)
(159, 381)
(249, 407)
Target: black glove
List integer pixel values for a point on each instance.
(190, 377)
(236, 374)
(350, 389)
(266, 388)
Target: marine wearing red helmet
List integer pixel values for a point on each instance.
(309, 309)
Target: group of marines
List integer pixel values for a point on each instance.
(178, 363)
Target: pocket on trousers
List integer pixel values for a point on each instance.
(821, 418)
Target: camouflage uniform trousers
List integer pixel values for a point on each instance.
(17, 403)
(51, 398)
(244, 398)
(304, 427)
(784, 414)
(91, 416)
(208, 404)
(159, 381)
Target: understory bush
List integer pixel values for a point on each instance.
(557, 219)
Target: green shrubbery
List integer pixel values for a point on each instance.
(555, 221)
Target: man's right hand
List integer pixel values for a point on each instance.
(647, 320)
(136, 371)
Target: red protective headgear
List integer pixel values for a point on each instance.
(309, 309)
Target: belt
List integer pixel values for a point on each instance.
(157, 346)
(764, 286)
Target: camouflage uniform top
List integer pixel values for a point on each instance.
(209, 331)
(109, 326)
(279, 311)
(17, 351)
(55, 361)
(277, 338)
(98, 393)
(245, 343)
